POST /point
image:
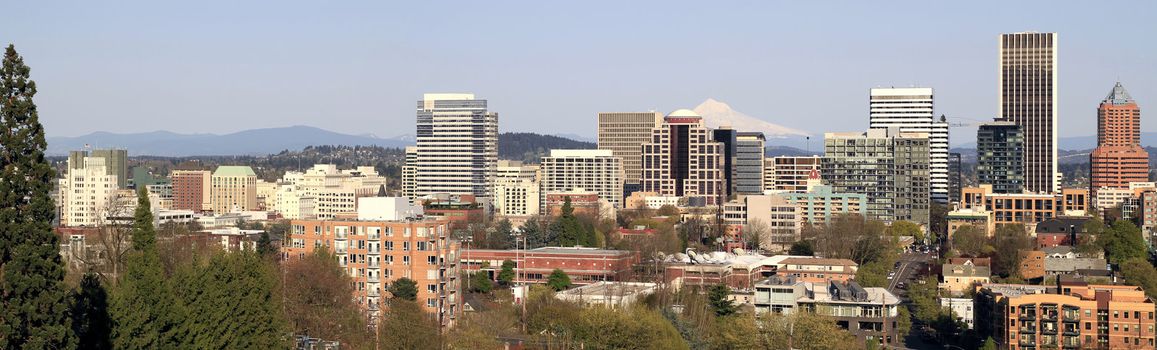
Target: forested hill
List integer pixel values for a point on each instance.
(529, 147)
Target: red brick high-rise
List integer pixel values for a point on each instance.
(1119, 158)
(191, 189)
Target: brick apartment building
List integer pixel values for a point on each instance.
(378, 252)
(1072, 315)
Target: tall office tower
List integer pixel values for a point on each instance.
(681, 160)
(115, 161)
(911, 110)
(886, 165)
(749, 163)
(954, 177)
(86, 193)
(1000, 157)
(192, 190)
(1028, 97)
(410, 174)
(1118, 158)
(598, 171)
(234, 188)
(457, 149)
(726, 135)
(791, 173)
(623, 133)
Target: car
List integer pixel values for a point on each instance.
(901, 285)
(891, 275)
(897, 265)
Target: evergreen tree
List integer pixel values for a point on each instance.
(570, 231)
(90, 320)
(717, 296)
(404, 288)
(33, 298)
(506, 275)
(231, 304)
(558, 280)
(265, 246)
(480, 283)
(146, 312)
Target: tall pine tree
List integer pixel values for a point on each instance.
(33, 298)
(90, 320)
(146, 312)
(231, 304)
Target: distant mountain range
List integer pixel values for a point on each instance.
(248, 142)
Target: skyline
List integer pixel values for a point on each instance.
(638, 59)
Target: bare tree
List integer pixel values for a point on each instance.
(112, 238)
(757, 234)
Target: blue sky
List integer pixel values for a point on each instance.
(359, 67)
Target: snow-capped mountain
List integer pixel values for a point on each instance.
(716, 113)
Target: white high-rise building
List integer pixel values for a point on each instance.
(598, 171)
(516, 190)
(911, 110)
(410, 173)
(87, 192)
(457, 146)
(1028, 97)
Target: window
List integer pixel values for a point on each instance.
(406, 260)
(432, 288)
(432, 260)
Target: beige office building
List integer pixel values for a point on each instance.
(624, 133)
(234, 188)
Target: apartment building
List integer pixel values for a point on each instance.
(790, 173)
(820, 270)
(870, 314)
(1025, 208)
(1073, 315)
(778, 220)
(192, 190)
(387, 242)
(1000, 156)
(819, 203)
(888, 166)
(911, 110)
(598, 171)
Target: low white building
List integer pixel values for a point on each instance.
(608, 294)
(387, 209)
(961, 307)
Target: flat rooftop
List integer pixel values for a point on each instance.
(605, 288)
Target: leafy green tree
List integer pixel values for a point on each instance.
(146, 311)
(502, 237)
(1010, 240)
(506, 275)
(989, 344)
(1122, 242)
(33, 297)
(1138, 272)
(570, 230)
(231, 304)
(735, 332)
(903, 322)
(536, 235)
(481, 283)
(406, 326)
(404, 288)
(970, 240)
(558, 280)
(629, 328)
(908, 228)
(718, 297)
(803, 248)
(90, 319)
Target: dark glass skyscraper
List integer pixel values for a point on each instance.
(1000, 157)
